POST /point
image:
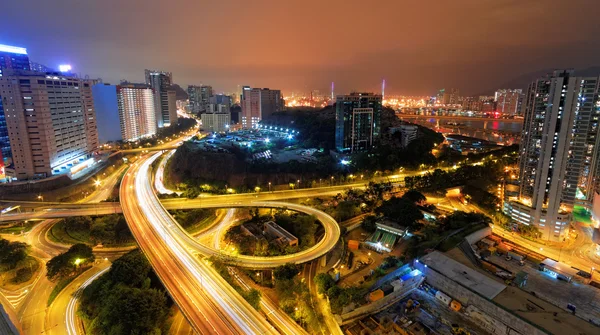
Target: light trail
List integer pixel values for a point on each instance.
(71, 315)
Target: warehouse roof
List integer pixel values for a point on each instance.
(463, 275)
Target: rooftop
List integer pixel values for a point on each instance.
(464, 275)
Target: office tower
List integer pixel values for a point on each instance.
(136, 111)
(357, 121)
(161, 83)
(13, 58)
(49, 120)
(216, 122)
(508, 102)
(559, 152)
(259, 103)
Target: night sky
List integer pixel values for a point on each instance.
(417, 46)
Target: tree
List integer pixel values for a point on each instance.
(324, 282)
(460, 219)
(11, 253)
(402, 211)
(68, 262)
(286, 272)
(414, 196)
(131, 269)
(253, 297)
(369, 223)
(390, 261)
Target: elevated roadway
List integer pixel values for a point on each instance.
(210, 304)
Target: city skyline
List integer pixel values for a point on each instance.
(412, 55)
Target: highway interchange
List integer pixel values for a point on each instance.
(210, 304)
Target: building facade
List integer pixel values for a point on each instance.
(559, 152)
(50, 120)
(357, 121)
(216, 122)
(508, 101)
(258, 103)
(136, 111)
(194, 98)
(166, 111)
(14, 58)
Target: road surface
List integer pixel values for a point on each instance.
(210, 304)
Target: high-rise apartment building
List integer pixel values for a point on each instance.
(258, 103)
(50, 120)
(357, 121)
(12, 57)
(125, 112)
(508, 101)
(205, 93)
(166, 111)
(194, 98)
(199, 98)
(136, 111)
(559, 154)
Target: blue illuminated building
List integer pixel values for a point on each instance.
(13, 58)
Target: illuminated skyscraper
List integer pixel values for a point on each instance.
(560, 152)
(357, 121)
(136, 111)
(166, 112)
(13, 58)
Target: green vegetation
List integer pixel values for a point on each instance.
(340, 297)
(302, 226)
(401, 210)
(194, 220)
(128, 299)
(108, 230)
(16, 266)
(11, 254)
(324, 282)
(294, 297)
(70, 263)
(446, 232)
(16, 228)
(252, 296)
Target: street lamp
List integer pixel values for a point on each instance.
(269, 186)
(40, 197)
